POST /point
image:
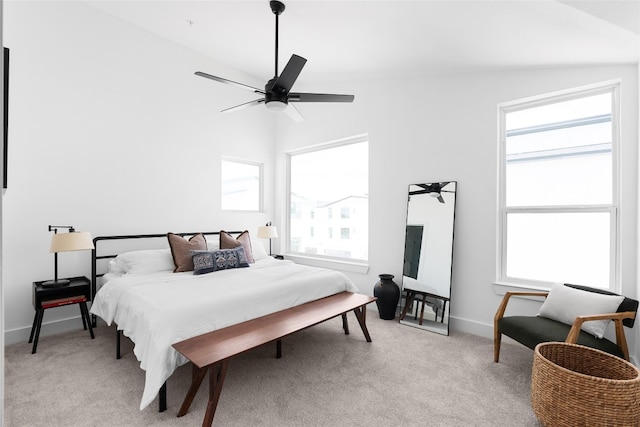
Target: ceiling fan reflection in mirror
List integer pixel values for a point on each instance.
(277, 95)
(435, 190)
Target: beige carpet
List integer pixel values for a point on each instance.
(405, 377)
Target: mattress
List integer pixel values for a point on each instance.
(159, 309)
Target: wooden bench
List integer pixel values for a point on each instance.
(214, 349)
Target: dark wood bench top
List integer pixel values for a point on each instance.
(214, 349)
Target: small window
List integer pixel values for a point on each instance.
(241, 185)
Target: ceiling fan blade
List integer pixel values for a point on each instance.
(284, 83)
(293, 113)
(243, 106)
(319, 97)
(440, 199)
(229, 82)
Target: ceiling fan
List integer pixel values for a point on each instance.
(277, 95)
(434, 190)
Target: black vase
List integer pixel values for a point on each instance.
(388, 294)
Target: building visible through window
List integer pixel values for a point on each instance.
(328, 188)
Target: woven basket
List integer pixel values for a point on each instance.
(573, 385)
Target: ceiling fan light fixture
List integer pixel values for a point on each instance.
(276, 106)
(435, 194)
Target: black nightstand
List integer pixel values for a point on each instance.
(78, 291)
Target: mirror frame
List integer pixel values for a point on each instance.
(412, 314)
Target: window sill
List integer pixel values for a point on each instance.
(501, 288)
(353, 267)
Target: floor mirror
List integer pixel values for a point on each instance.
(428, 254)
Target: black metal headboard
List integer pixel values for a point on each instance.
(95, 257)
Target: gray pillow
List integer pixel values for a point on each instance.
(565, 303)
(222, 259)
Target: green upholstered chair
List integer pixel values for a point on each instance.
(532, 330)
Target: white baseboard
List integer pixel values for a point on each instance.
(15, 336)
(471, 327)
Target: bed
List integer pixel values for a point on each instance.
(156, 307)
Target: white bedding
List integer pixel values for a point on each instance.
(159, 309)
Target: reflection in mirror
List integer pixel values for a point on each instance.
(428, 253)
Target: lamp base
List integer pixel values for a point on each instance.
(55, 283)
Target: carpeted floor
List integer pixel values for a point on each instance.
(405, 377)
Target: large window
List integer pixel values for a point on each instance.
(241, 185)
(559, 189)
(328, 189)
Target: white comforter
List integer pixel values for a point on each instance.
(157, 310)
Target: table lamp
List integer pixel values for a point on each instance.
(65, 242)
(267, 231)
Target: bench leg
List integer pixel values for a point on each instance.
(278, 349)
(345, 324)
(407, 303)
(216, 379)
(196, 379)
(360, 313)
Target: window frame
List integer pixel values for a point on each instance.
(346, 264)
(613, 208)
(260, 167)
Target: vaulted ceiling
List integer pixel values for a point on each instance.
(369, 39)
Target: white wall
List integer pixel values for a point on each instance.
(444, 128)
(1, 202)
(111, 132)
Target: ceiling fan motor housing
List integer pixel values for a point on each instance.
(276, 7)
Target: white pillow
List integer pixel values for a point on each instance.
(565, 303)
(143, 262)
(258, 250)
(213, 242)
(115, 268)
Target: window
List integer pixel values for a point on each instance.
(344, 233)
(559, 189)
(323, 179)
(241, 185)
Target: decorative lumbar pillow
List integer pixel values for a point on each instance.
(181, 250)
(142, 262)
(222, 259)
(228, 242)
(565, 303)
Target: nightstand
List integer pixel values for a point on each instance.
(78, 291)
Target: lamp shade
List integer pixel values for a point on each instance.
(75, 241)
(267, 232)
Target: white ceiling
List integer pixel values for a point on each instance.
(362, 39)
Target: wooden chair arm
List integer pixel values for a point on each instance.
(497, 336)
(621, 340)
(505, 300)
